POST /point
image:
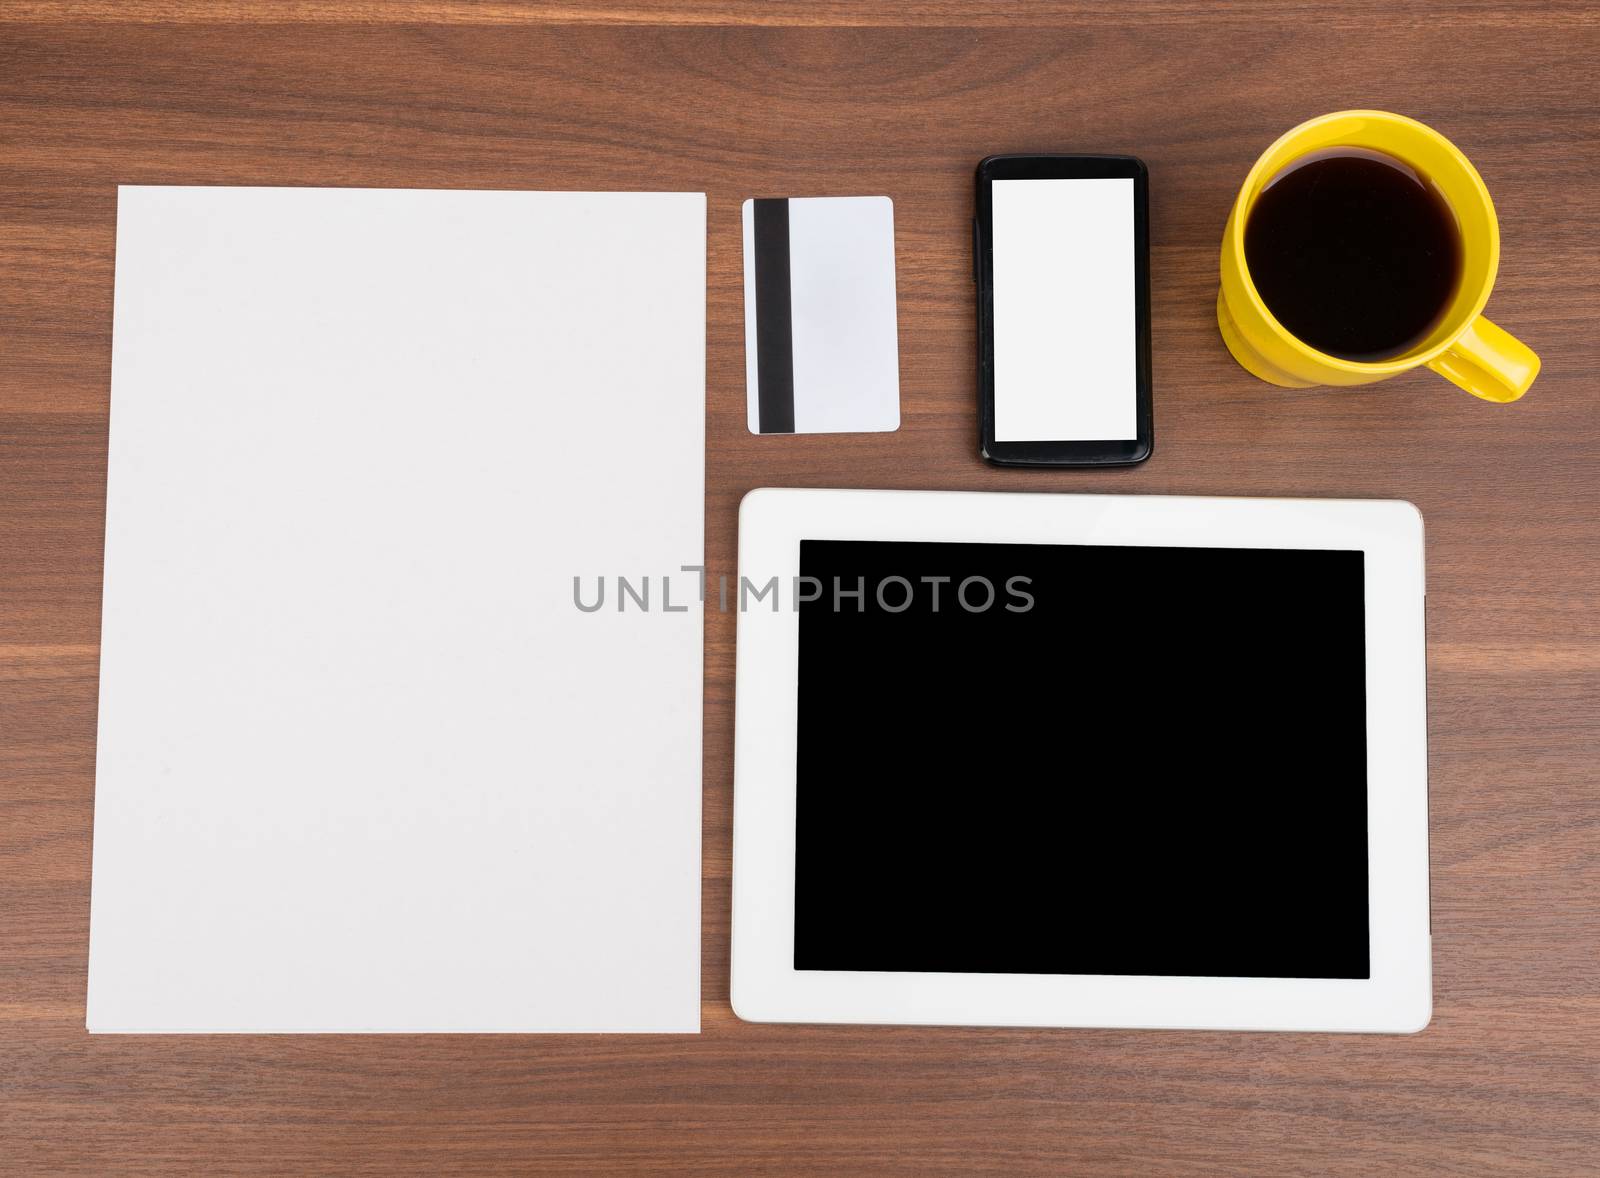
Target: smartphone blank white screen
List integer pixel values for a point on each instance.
(1065, 347)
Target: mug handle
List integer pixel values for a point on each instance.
(1488, 362)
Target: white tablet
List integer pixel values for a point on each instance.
(1080, 760)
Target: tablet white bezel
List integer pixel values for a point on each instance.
(765, 985)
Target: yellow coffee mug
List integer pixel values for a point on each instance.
(1465, 347)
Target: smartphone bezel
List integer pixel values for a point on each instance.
(1107, 452)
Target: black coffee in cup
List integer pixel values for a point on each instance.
(1354, 252)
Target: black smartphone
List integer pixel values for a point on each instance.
(1062, 263)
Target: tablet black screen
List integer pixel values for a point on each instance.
(1020, 758)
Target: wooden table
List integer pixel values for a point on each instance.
(741, 99)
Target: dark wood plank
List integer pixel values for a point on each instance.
(831, 14)
(742, 99)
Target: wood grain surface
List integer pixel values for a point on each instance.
(742, 99)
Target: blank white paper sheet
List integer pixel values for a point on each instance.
(363, 763)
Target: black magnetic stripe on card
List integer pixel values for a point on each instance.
(774, 327)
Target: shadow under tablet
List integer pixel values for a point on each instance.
(1158, 767)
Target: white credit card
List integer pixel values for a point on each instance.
(820, 344)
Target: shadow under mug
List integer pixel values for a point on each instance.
(1465, 347)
